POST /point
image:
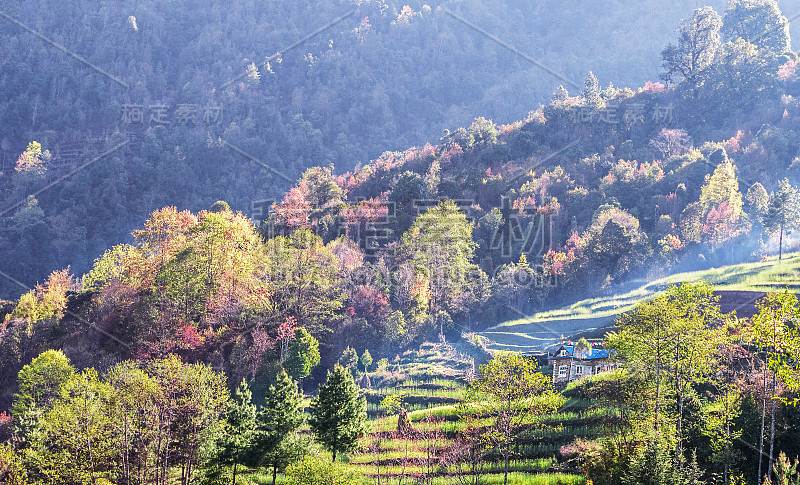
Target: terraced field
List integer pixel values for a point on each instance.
(738, 285)
(433, 381)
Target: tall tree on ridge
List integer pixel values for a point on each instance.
(698, 41)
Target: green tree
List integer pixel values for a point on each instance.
(220, 206)
(39, 385)
(667, 340)
(774, 329)
(759, 22)
(629, 394)
(322, 188)
(408, 187)
(653, 465)
(238, 429)
(698, 41)
(614, 243)
(78, 440)
(785, 363)
(511, 390)
(189, 403)
(303, 354)
(718, 417)
(482, 132)
(12, 467)
(757, 200)
(135, 410)
(276, 442)
(366, 360)
(757, 203)
(740, 79)
(512, 284)
(338, 413)
(440, 246)
(395, 328)
(349, 358)
(783, 212)
(393, 403)
(301, 278)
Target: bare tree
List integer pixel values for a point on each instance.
(671, 142)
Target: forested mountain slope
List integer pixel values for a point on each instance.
(494, 222)
(159, 89)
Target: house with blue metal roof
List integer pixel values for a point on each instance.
(573, 362)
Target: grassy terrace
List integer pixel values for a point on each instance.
(427, 377)
(545, 328)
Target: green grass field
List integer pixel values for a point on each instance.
(545, 329)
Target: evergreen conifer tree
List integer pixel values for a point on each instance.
(238, 429)
(338, 413)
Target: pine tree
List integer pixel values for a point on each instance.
(338, 413)
(591, 92)
(238, 429)
(278, 420)
(560, 94)
(349, 358)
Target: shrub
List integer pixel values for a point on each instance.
(12, 471)
(314, 470)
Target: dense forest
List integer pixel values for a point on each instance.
(169, 260)
(164, 87)
(594, 188)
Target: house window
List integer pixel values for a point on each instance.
(598, 369)
(579, 370)
(562, 371)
